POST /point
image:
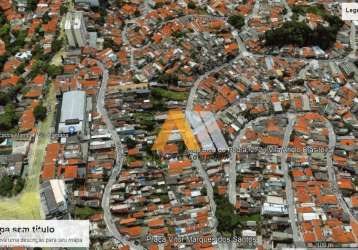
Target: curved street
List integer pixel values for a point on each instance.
(331, 172)
(189, 107)
(297, 239)
(119, 162)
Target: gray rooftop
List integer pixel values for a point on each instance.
(73, 106)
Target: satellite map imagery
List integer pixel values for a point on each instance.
(178, 124)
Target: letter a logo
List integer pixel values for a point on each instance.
(176, 121)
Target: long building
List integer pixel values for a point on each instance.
(54, 198)
(75, 29)
(73, 112)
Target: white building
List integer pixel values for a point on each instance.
(92, 3)
(53, 196)
(75, 29)
(73, 112)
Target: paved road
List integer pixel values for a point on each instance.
(119, 162)
(353, 41)
(233, 155)
(254, 12)
(192, 95)
(209, 187)
(331, 172)
(289, 190)
(232, 170)
(307, 60)
(126, 42)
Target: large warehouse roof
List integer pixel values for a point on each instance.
(73, 106)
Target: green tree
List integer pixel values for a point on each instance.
(228, 220)
(237, 21)
(37, 51)
(3, 19)
(300, 34)
(5, 121)
(4, 98)
(168, 79)
(5, 30)
(63, 9)
(46, 17)
(191, 5)
(54, 70)
(130, 142)
(109, 43)
(9, 119)
(6, 186)
(32, 4)
(292, 32)
(3, 59)
(20, 38)
(56, 45)
(39, 67)
(21, 69)
(19, 186)
(40, 112)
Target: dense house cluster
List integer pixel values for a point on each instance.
(273, 14)
(243, 76)
(260, 181)
(107, 72)
(161, 201)
(320, 212)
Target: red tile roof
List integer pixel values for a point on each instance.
(39, 80)
(27, 120)
(34, 93)
(71, 172)
(178, 166)
(354, 200)
(51, 26)
(2, 48)
(48, 171)
(11, 65)
(12, 81)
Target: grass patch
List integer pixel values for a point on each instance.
(85, 212)
(251, 217)
(169, 94)
(25, 207)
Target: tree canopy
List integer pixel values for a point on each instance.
(54, 70)
(8, 120)
(300, 34)
(191, 5)
(32, 4)
(10, 186)
(237, 21)
(40, 112)
(228, 220)
(168, 79)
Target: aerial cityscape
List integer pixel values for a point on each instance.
(182, 124)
